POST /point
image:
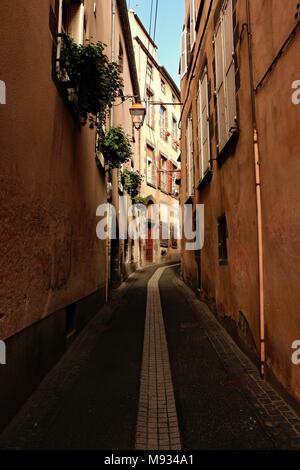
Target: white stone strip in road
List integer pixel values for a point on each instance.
(157, 423)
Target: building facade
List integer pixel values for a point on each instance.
(159, 148)
(239, 88)
(54, 269)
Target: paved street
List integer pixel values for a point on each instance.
(154, 370)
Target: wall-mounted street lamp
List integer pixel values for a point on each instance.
(138, 113)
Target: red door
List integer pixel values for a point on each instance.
(149, 245)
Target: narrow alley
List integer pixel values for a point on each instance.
(154, 370)
(149, 242)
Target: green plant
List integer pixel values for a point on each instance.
(116, 147)
(139, 200)
(95, 79)
(131, 182)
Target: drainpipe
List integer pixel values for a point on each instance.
(258, 200)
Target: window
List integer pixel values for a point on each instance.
(174, 134)
(174, 189)
(151, 167)
(173, 235)
(121, 58)
(164, 174)
(163, 234)
(149, 71)
(189, 156)
(222, 240)
(174, 100)
(225, 77)
(150, 110)
(72, 19)
(163, 86)
(192, 24)
(203, 126)
(163, 122)
(183, 60)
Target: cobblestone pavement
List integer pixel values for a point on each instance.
(154, 369)
(157, 425)
(267, 410)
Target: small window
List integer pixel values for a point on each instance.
(164, 174)
(163, 234)
(149, 71)
(151, 167)
(175, 143)
(150, 110)
(183, 59)
(203, 126)
(163, 123)
(192, 24)
(121, 58)
(173, 235)
(189, 155)
(163, 86)
(222, 240)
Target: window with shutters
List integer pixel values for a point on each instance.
(203, 125)
(70, 20)
(183, 60)
(189, 156)
(150, 110)
(163, 234)
(192, 23)
(163, 122)
(175, 173)
(151, 167)
(121, 58)
(149, 71)
(164, 174)
(175, 142)
(225, 76)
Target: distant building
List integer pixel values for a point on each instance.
(240, 126)
(159, 146)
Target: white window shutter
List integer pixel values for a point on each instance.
(192, 23)
(204, 125)
(229, 70)
(220, 87)
(183, 66)
(225, 77)
(189, 156)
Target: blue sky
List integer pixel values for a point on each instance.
(170, 19)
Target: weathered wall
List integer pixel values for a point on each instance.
(278, 125)
(232, 289)
(50, 184)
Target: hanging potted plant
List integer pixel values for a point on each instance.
(87, 73)
(131, 182)
(115, 147)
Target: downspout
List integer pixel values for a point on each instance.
(258, 199)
